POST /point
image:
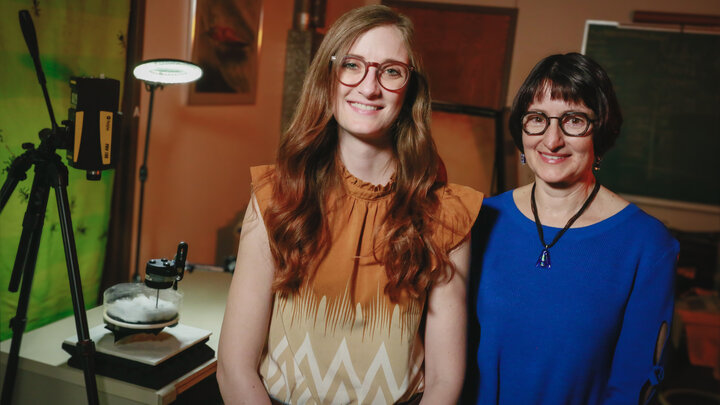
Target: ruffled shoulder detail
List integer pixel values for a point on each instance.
(459, 207)
(262, 179)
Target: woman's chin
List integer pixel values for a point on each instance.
(560, 181)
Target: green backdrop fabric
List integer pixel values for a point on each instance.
(75, 38)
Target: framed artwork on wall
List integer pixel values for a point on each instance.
(466, 50)
(226, 39)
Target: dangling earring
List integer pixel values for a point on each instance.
(596, 163)
(522, 159)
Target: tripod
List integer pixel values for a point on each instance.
(49, 172)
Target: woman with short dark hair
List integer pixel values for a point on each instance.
(574, 283)
(574, 77)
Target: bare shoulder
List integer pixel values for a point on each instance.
(605, 205)
(521, 197)
(522, 192)
(610, 202)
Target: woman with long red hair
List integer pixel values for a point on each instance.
(350, 283)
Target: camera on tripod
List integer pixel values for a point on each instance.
(87, 135)
(93, 120)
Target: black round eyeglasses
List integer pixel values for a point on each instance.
(571, 123)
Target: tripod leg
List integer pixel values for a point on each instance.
(17, 324)
(47, 172)
(16, 172)
(24, 268)
(6, 190)
(85, 345)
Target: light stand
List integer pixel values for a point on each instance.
(156, 73)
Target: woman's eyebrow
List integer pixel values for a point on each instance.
(380, 62)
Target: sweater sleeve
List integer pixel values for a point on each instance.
(650, 305)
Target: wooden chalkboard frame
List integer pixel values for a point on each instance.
(698, 190)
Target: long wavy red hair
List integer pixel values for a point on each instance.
(306, 172)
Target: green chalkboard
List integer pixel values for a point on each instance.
(668, 85)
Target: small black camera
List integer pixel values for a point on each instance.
(93, 123)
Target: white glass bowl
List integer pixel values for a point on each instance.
(137, 306)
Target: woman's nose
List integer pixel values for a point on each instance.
(369, 86)
(554, 138)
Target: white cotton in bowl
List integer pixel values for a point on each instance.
(141, 309)
(136, 303)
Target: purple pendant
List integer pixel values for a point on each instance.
(543, 261)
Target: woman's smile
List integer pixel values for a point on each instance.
(362, 108)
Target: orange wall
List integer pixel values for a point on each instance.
(199, 155)
(198, 179)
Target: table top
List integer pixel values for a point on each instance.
(205, 294)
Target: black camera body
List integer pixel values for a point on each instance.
(93, 121)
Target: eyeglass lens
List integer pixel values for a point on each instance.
(571, 123)
(391, 75)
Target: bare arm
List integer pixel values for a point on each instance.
(247, 315)
(445, 330)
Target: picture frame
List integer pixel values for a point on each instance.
(225, 42)
(466, 50)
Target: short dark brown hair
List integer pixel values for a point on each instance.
(576, 78)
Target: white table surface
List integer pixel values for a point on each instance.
(43, 359)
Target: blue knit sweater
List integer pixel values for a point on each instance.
(583, 331)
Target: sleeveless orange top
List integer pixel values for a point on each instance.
(339, 339)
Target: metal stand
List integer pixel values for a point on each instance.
(150, 87)
(49, 172)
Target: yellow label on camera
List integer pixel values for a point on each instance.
(79, 115)
(106, 126)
